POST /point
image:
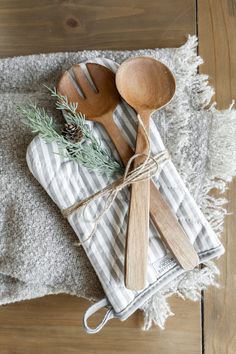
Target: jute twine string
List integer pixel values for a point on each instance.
(144, 171)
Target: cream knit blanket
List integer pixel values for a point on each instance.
(37, 253)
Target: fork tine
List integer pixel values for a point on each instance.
(84, 67)
(75, 83)
(82, 80)
(67, 87)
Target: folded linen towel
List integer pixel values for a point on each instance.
(37, 253)
(67, 182)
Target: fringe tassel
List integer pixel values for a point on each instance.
(188, 286)
(220, 169)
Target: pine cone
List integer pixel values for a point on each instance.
(72, 133)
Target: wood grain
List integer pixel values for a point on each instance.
(52, 325)
(217, 46)
(137, 236)
(28, 26)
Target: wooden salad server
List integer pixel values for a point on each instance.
(146, 85)
(93, 87)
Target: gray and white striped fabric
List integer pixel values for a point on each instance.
(67, 182)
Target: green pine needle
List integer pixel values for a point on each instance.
(89, 152)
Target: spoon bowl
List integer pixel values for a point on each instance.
(145, 83)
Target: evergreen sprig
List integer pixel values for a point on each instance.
(89, 152)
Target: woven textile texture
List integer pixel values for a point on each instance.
(37, 251)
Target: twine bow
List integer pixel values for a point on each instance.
(144, 171)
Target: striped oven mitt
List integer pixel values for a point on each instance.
(67, 182)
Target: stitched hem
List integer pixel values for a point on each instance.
(167, 277)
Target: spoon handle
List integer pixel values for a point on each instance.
(124, 150)
(164, 220)
(138, 219)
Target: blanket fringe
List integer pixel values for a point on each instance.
(188, 286)
(220, 169)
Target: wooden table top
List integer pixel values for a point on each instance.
(52, 325)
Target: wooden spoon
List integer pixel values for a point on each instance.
(97, 98)
(147, 85)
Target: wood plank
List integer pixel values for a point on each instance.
(28, 26)
(52, 325)
(217, 46)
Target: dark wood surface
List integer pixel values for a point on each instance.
(52, 325)
(217, 46)
(28, 26)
